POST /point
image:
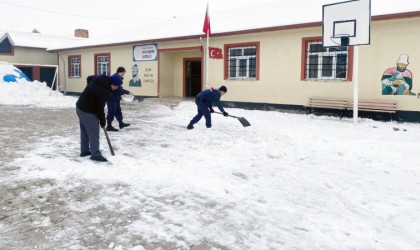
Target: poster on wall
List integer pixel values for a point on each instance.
(135, 81)
(146, 52)
(398, 80)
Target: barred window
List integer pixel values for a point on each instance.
(324, 63)
(241, 61)
(102, 64)
(74, 66)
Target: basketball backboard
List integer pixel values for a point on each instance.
(346, 23)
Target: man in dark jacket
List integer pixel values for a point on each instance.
(90, 110)
(204, 101)
(114, 104)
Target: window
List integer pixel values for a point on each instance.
(74, 66)
(6, 48)
(241, 61)
(321, 63)
(102, 62)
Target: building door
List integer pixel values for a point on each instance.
(47, 75)
(192, 77)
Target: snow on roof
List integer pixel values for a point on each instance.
(275, 14)
(36, 40)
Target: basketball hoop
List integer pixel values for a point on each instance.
(346, 23)
(344, 39)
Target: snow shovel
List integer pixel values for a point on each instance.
(242, 120)
(109, 142)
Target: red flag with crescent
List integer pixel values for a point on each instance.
(215, 53)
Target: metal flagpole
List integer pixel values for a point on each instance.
(207, 50)
(207, 62)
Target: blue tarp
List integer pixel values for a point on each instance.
(12, 78)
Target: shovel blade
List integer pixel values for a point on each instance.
(244, 121)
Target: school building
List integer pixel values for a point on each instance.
(266, 60)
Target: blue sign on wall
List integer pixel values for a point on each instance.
(146, 52)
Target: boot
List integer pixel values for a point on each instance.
(123, 125)
(98, 158)
(190, 126)
(111, 128)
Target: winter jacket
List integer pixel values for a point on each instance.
(95, 95)
(208, 97)
(116, 95)
(89, 78)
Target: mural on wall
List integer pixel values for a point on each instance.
(136, 81)
(143, 53)
(398, 80)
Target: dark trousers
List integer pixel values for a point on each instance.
(202, 110)
(114, 110)
(89, 132)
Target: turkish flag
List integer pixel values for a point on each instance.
(215, 53)
(206, 26)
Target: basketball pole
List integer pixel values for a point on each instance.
(355, 84)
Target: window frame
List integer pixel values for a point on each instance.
(70, 75)
(96, 62)
(227, 60)
(305, 57)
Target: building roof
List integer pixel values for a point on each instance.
(268, 16)
(36, 40)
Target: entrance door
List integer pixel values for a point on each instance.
(192, 77)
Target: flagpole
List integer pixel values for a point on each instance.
(207, 61)
(207, 50)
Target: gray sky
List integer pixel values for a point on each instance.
(101, 17)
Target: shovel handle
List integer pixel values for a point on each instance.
(228, 115)
(109, 142)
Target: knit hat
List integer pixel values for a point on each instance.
(120, 69)
(115, 80)
(223, 88)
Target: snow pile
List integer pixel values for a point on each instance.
(33, 93)
(17, 89)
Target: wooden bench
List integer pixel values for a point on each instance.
(327, 103)
(376, 106)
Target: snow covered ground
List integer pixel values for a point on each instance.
(289, 181)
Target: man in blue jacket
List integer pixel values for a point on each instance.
(90, 110)
(114, 105)
(204, 101)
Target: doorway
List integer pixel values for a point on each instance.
(192, 77)
(47, 75)
(28, 71)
